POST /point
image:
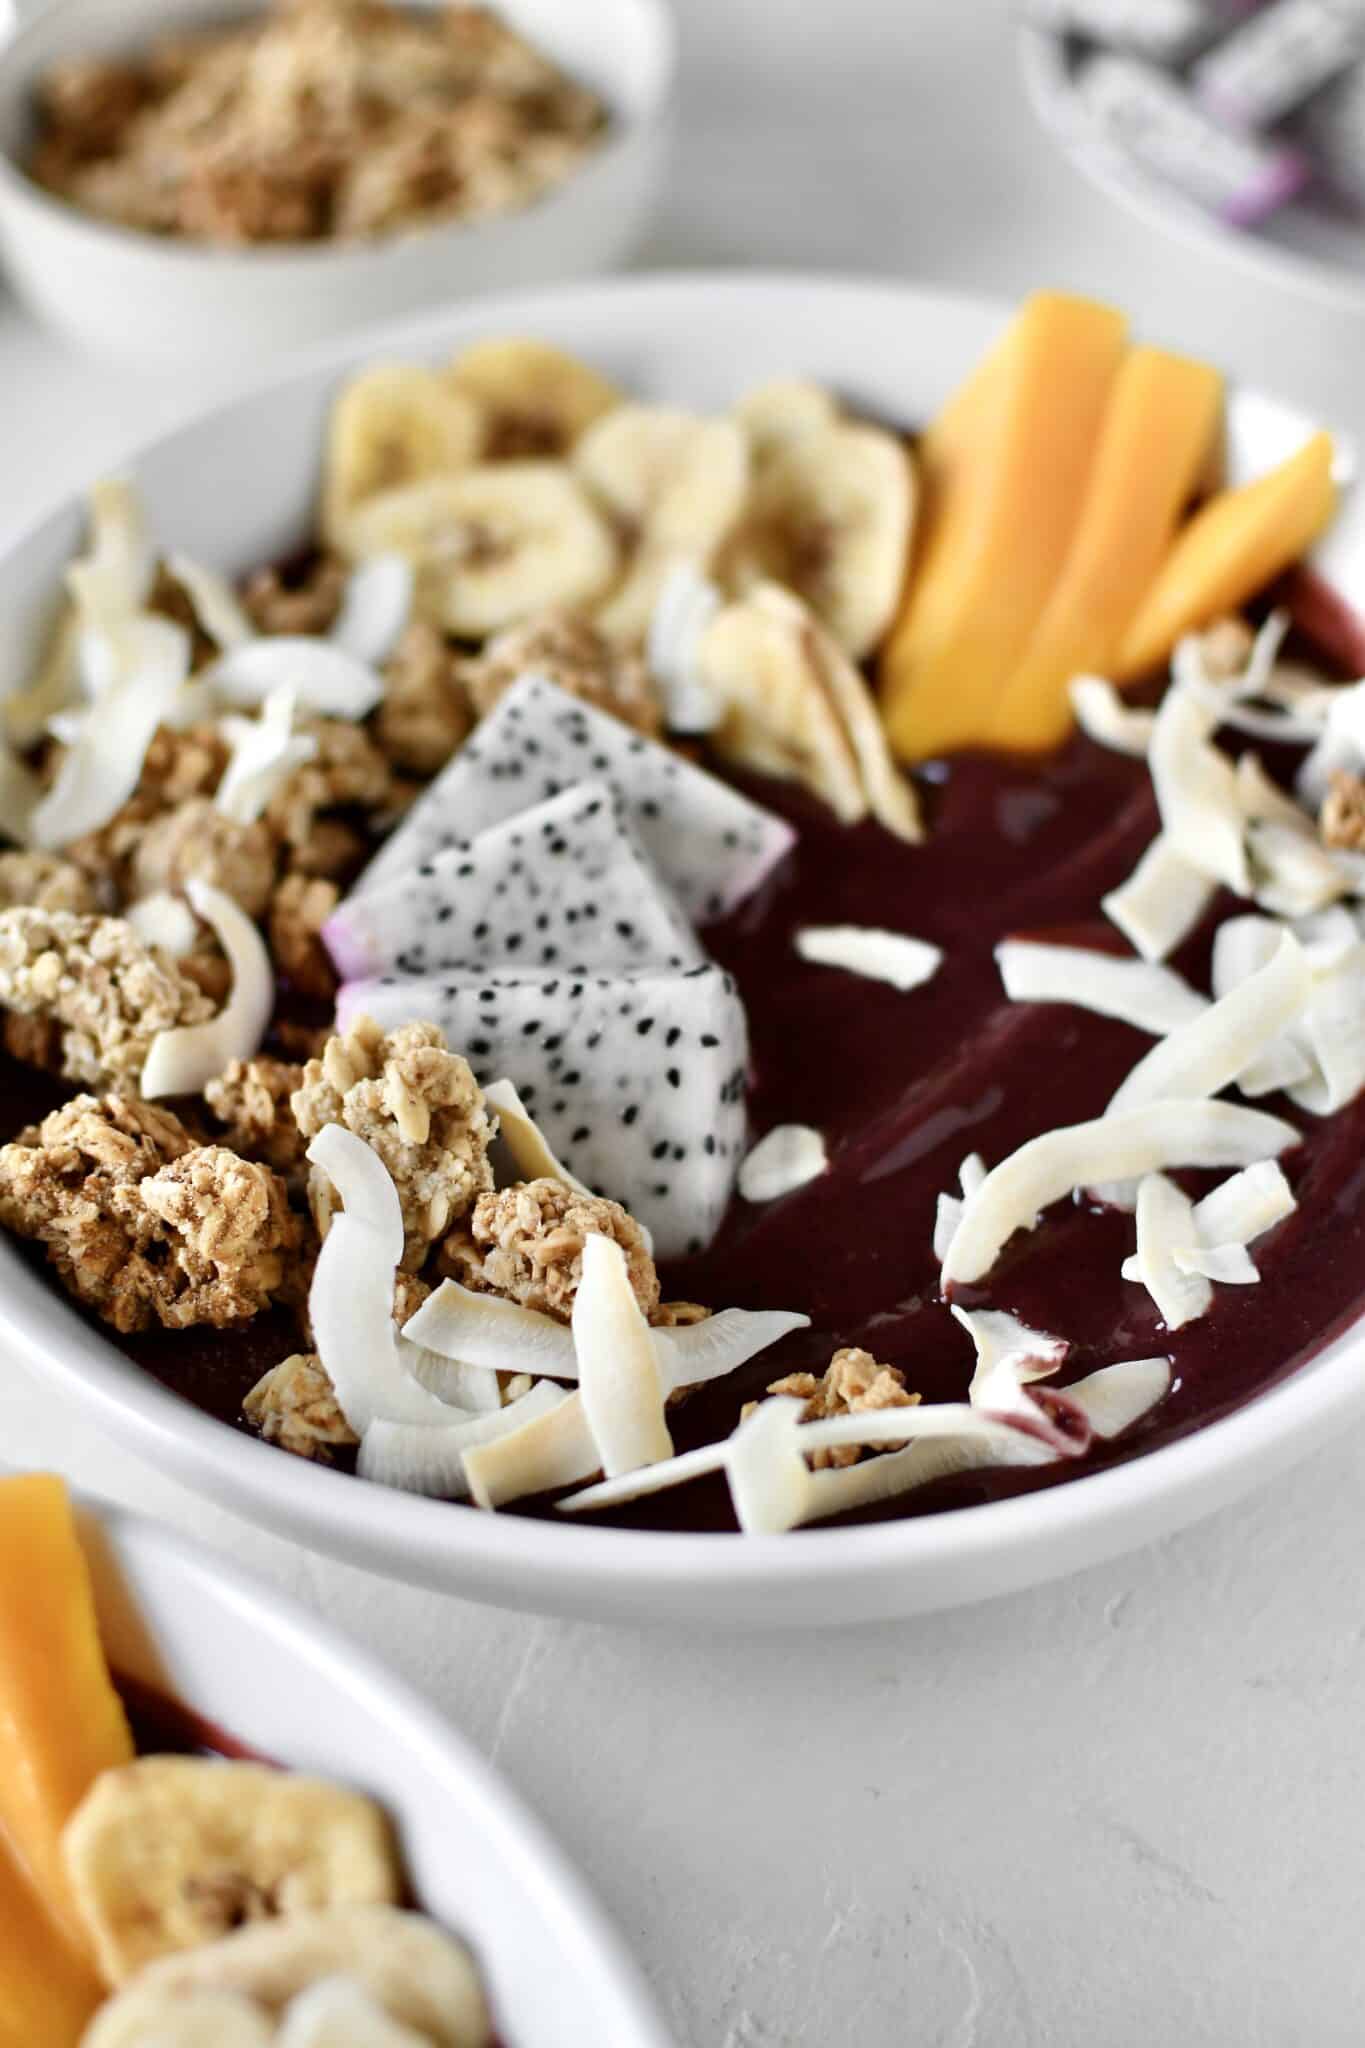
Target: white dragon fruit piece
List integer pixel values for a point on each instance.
(637, 1081)
(561, 888)
(711, 845)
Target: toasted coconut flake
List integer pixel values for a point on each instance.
(487, 1331)
(428, 1457)
(216, 606)
(1334, 1036)
(164, 919)
(686, 604)
(1208, 1053)
(113, 580)
(695, 1353)
(865, 949)
(647, 1479)
(149, 659)
(375, 607)
(1165, 1226)
(555, 1449)
(475, 1388)
(265, 751)
(768, 1475)
(1161, 902)
(1246, 1206)
(1229, 1264)
(948, 1215)
(523, 1138)
(324, 678)
(1139, 992)
(1119, 1146)
(1117, 1396)
(1196, 792)
(618, 1370)
(1104, 717)
(182, 1061)
(783, 1160)
(1293, 875)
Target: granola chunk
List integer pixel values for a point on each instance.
(348, 772)
(294, 1406)
(851, 1383)
(571, 652)
(526, 1242)
(196, 840)
(299, 908)
(425, 713)
(250, 1101)
(1341, 821)
(178, 766)
(143, 1225)
(415, 1104)
(45, 882)
(309, 604)
(108, 992)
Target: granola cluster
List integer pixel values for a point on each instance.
(141, 1223)
(852, 1383)
(249, 1102)
(1341, 821)
(294, 1405)
(418, 1107)
(526, 1242)
(92, 979)
(321, 119)
(46, 882)
(567, 650)
(425, 714)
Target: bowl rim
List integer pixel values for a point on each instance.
(363, 252)
(1042, 65)
(570, 1562)
(544, 1869)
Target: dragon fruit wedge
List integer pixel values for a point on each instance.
(711, 845)
(636, 1080)
(563, 887)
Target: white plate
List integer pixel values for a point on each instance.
(265, 1671)
(1302, 245)
(238, 487)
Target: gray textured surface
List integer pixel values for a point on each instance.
(1121, 1810)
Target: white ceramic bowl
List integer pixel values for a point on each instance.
(1302, 246)
(141, 296)
(236, 488)
(265, 1671)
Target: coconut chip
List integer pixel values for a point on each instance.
(1161, 902)
(1166, 1226)
(149, 659)
(165, 920)
(376, 604)
(265, 751)
(325, 679)
(618, 1370)
(948, 1215)
(1138, 992)
(1116, 1147)
(865, 949)
(1104, 717)
(685, 607)
(112, 582)
(216, 606)
(1196, 792)
(428, 1457)
(183, 1060)
(785, 1159)
(553, 1450)
(524, 1140)
(1213, 1048)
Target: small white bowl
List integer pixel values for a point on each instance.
(237, 487)
(155, 299)
(266, 1672)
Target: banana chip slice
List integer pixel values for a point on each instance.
(415, 1972)
(169, 1852)
(392, 425)
(830, 517)
(675, 484)
(194, 2019)
(535, 400)
(796, 707)
(493, 545)
(783, 410)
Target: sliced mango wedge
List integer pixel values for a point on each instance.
(1160, 426)
(61, 1721)
(47, 1991)
(1004, 483)
(1231, 548)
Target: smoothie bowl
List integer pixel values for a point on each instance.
(222, 1826)
(624, 929)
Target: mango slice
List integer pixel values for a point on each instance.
(1160, 425)
(61, 1722)
(1230, 549)
(47, 1992)
(1004, 480)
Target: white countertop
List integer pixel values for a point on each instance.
(1122, 1810)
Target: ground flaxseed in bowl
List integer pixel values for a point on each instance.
(322, 120)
